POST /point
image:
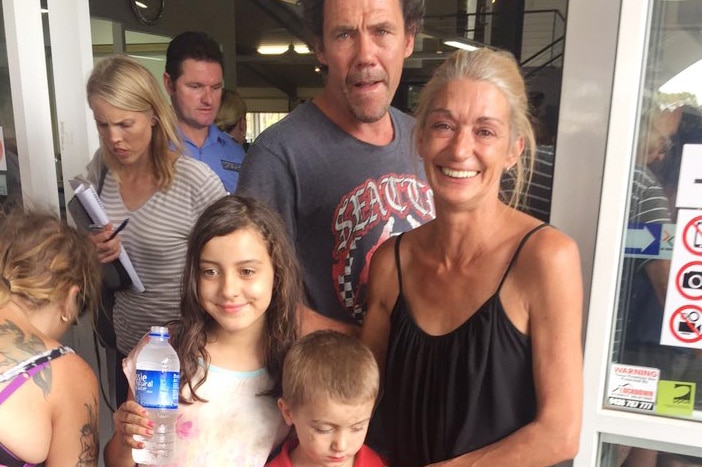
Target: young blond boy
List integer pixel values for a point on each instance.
(330, 384)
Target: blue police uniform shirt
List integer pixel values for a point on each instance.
(221, 153)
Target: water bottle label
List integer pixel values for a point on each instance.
(157, 389)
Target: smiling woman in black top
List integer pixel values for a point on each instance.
(476, 316)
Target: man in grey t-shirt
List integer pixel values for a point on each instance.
(339, 169)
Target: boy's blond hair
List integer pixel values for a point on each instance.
(328, 364)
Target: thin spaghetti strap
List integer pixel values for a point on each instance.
(516, 253)
(397, 261)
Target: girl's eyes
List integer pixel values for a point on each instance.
(323, 431)
(247, 272)
(211, 272)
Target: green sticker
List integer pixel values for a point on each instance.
(676, 398)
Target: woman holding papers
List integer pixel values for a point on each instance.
(150, 182)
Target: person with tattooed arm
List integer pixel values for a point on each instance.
(49, 277)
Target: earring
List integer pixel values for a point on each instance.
(64, 319)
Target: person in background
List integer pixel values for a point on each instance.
(231, 118)
(477, 314)
(194, 78)
(148, 181)
(49, 277)
(339, 168)
(330, 385)
(241, 289)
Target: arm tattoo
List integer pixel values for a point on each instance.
(89, 437)
(23, 347)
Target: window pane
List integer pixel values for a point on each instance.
(616, 455)
(657, 344)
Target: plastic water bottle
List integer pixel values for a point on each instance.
(157, 388)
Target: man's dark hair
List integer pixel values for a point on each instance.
(313, 15)
(191, 44)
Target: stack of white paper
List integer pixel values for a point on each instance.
(89, 199)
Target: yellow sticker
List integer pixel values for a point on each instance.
(676, 398)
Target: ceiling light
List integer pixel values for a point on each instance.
(277, 49)
(141, 5)
(461, 45)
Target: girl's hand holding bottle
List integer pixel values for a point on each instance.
(131, 419)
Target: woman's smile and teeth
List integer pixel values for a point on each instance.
(453, 173)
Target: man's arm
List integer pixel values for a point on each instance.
(266, 176)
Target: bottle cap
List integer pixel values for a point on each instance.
(161, 331)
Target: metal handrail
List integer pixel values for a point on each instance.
(542, 50)
(533, 71)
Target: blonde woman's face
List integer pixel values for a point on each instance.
(125, 134)
(466, 144)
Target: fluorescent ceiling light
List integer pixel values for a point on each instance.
(460, 45)
(277, 49)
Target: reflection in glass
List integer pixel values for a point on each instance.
(669, 119)
(617, 455)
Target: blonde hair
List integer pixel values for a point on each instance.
(231, 110)
(41, 258)
(328, 364)
(127, 85)
(500, 69)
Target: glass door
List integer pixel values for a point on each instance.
(644, 343)
(10, 185)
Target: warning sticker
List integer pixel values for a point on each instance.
(632, 387)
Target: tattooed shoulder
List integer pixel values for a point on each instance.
(18, 346)
(89, 436)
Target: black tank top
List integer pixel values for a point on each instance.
(448, 395)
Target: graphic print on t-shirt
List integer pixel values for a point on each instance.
(365, 217)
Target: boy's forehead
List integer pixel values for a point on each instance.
(319, 406)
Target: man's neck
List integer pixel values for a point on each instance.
(378, 133)
(196, 135)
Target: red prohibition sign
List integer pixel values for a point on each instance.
(697, 334)
(696, 225)
(693, 277)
